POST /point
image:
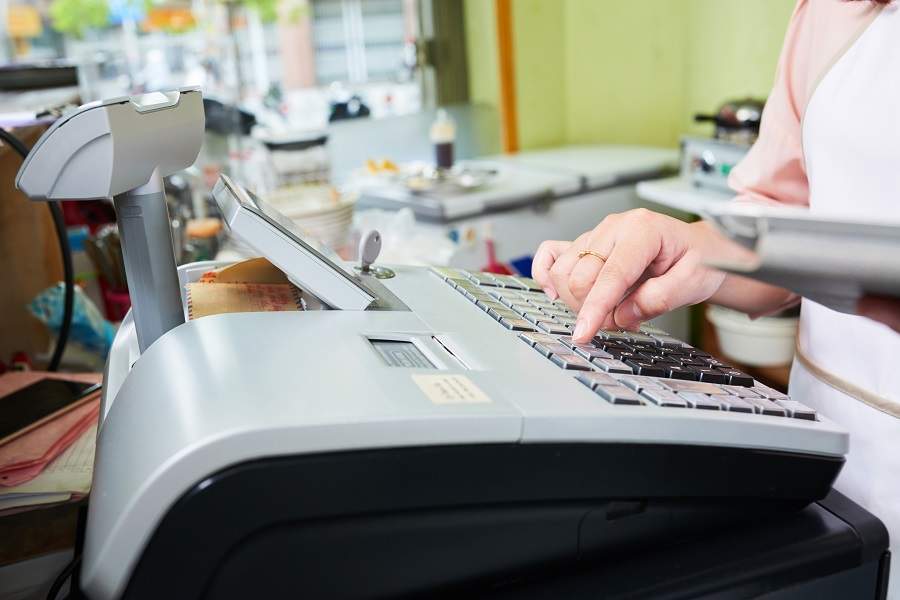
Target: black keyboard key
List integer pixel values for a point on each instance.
(711, 375)
(679, 372)
(620, 395)
(645, 368)
(738, 377)
(692, 362)
(571, 362)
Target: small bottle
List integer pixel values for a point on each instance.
(443, 134)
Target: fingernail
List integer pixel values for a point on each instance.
(636, 312)
(551, 293)
(581, 331)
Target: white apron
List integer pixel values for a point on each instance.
(851, 145)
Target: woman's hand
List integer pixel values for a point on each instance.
(641, 264)
(884, 310)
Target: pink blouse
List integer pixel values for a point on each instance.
(820, 31)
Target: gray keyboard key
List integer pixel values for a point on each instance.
(537, 338)
(668, 341)
(797, 410)
(765, 406)
(510, 301)
(486, 305)
(449, 272)
(767, 392)
(616, 394)
(665, 398)
(611, 365)
(640, 383)
(483, 279)
(567, 321)
(571, 362)
(517, 324)
(552, 327)
(511, 283)
(652, 330)
(535, 318)
(734, 404)
(590, 353)
(529, 283)
(551, 348)
(701, 401)
(614, 336)
(592, 379)
(641, 337)
(502, 313)
(699, 387)
(740, 391)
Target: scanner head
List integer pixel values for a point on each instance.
(107, 148)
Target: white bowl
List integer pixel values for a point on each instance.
(762, 342)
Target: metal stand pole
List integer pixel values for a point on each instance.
(149, 261)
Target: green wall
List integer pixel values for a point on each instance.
(626, 71)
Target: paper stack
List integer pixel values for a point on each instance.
(253, 285)
(52, 462)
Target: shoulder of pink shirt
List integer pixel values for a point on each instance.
(819, 32)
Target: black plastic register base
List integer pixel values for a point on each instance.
(516, 521)
(832, 549)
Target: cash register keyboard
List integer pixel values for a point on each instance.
(625, 368)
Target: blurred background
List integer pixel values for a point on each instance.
(467, 131)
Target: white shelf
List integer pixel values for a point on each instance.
(680, 194)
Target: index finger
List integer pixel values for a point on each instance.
(628, 260)
(544, 259)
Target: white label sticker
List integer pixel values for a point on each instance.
(450, 389)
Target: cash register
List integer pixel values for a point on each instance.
(421, 431)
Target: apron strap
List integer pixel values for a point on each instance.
(876, 401)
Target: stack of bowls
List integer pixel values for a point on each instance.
(321, 211)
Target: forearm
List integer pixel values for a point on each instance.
(740, 293)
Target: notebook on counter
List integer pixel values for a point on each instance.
(829, 259)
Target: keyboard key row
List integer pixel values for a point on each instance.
(644, 368)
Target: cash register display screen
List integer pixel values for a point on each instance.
(323, 253)
(398, 353)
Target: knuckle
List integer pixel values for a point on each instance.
(580, 285)
(654, 299)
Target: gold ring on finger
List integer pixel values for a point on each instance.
(584, 253)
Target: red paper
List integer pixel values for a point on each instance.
(25, 457)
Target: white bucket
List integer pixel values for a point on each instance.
(762, 342)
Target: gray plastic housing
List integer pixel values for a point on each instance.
(121, 149)
(110, 147)
(309, 265)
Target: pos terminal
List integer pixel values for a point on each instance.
(436, 431)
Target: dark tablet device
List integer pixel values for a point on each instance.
(27, 408)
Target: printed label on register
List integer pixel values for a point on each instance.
(450, 389)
